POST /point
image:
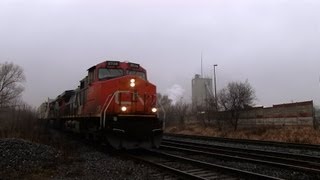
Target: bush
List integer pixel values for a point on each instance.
(21, 122)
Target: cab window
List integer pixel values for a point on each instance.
(142, 75)
(110, 73)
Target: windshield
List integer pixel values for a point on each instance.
(110, 73)
(142, 75)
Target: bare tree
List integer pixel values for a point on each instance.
(205, 112)
(199, 112)
(181, 111)
(166, 110)
(11, 79)
(236, 97)
(212, 111)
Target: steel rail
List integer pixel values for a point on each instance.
(248, 141)
(204, 170)
(243, 159)
(173, 171)
(313, 161)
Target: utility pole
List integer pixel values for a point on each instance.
(215, 84)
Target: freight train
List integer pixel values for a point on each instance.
(115, 103)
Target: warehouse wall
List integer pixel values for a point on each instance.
(291, 114)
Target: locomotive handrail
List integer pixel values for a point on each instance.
(107, 104)
(103, 110)
(106, 108)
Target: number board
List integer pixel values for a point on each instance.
(133, 65)
(113, 63)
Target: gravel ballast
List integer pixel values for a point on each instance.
(92, 164)
(21, 159)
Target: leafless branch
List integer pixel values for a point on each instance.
(11, 79)
(236, 97)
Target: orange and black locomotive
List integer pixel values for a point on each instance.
(115, 103)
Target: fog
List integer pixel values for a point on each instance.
(274, 44)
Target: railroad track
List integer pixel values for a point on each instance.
(274, 161)
(189, 160)
(186, 168)
(302, 165)
(297, 161)
(248, 141)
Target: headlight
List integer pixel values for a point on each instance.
(154, 110)
(132, 82)
(123, 108)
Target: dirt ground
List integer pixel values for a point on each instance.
(307, 135)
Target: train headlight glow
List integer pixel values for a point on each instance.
(123, 108)
(154, 110)
(132, 82)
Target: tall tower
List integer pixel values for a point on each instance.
(201, 90)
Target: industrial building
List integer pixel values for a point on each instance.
(201, 90)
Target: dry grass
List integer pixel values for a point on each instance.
(23, 123)
(306, 135)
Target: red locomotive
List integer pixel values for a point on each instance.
(115, 103)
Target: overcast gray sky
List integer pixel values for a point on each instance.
(272, 43)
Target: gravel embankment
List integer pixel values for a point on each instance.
(91, 164)
(21, 159)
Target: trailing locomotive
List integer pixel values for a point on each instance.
(114, 103)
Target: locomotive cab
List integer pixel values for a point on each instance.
(129, 114)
